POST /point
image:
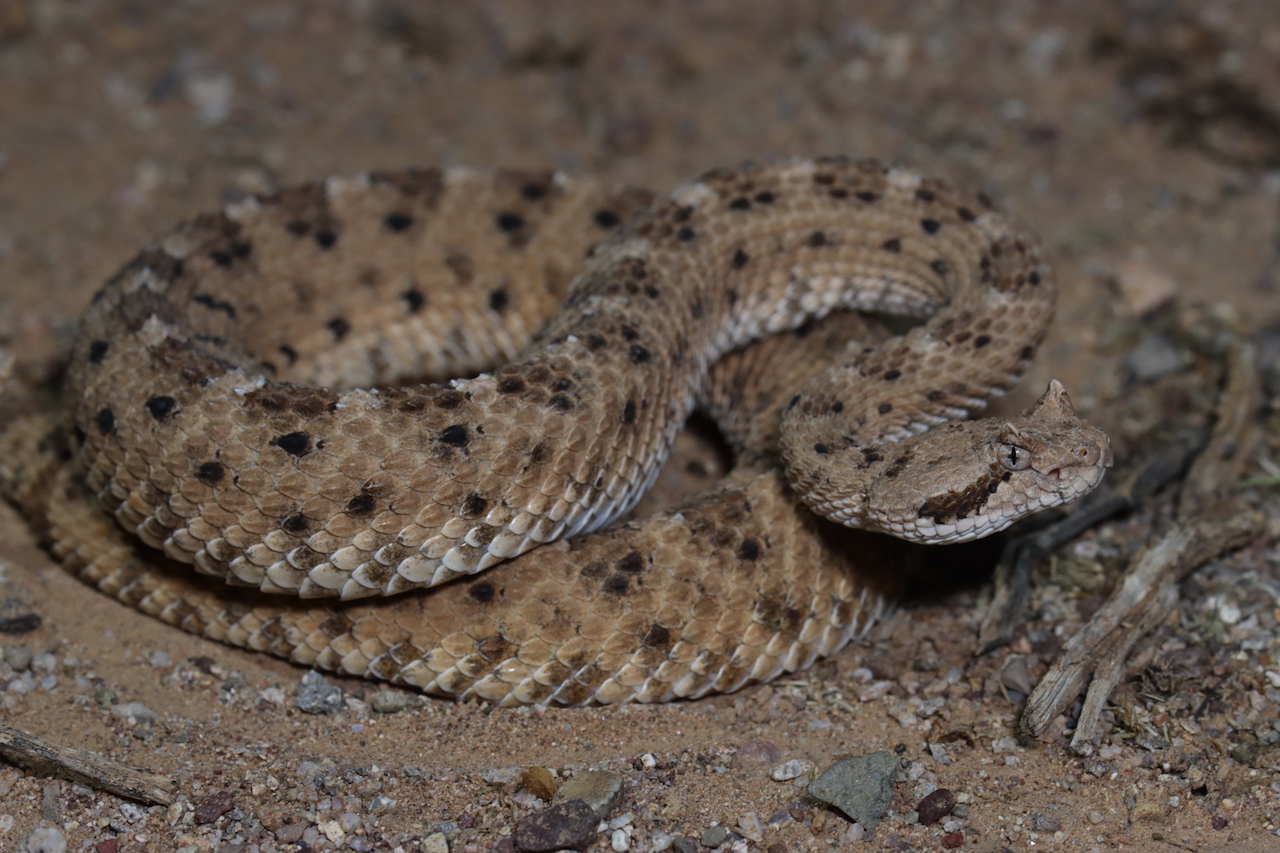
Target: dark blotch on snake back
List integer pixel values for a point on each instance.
(161, 407)
(454, 436)
(294, 443)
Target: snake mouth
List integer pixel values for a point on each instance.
(1083, 468)
(1076, 480)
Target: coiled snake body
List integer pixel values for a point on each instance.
(206, 417)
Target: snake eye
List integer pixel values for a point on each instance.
(1014, 458)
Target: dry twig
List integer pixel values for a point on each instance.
(100, 773)
(1210, 521)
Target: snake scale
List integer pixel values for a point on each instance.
(236, 400)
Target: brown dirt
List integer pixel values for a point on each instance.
(1141, 139)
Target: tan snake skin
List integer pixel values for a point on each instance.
(192, 425)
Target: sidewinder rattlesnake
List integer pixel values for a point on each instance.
(234, 400)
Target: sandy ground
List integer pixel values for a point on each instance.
(1141, 139)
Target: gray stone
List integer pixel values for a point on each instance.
(51, 802)
(18, 658)
(714, 836)
(317, 696)
(1015, 675)
(502, 777)
(45, 839)
(599, 789)
(390, 701)
(435, 843)
(861, 787)
(290, 833)
(1153, 357)
(134, 713)
(757, 752)
(793, 769)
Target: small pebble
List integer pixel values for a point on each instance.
(1015, 676)
(1008, 743)
(212, 807)
(316, 695)
(936, 806)
(18, 658)
(685, 845)
(331, 829)
(861, 787)
(50, 802)
(45, 839)
(1143, 287)
(659, 841)
(714, 837)
(599, 789)
(540, 782)
(502, 777)
(758, 752)
(134, 713)
(793, 769)
(434, 843)
(1154, 356)
(853, 834)
(290, 833)
(390, 701)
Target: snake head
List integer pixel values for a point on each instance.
(976, 478)
(1055, 455)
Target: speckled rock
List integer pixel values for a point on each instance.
(861, 787)
(563, 826)
(212, 807)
